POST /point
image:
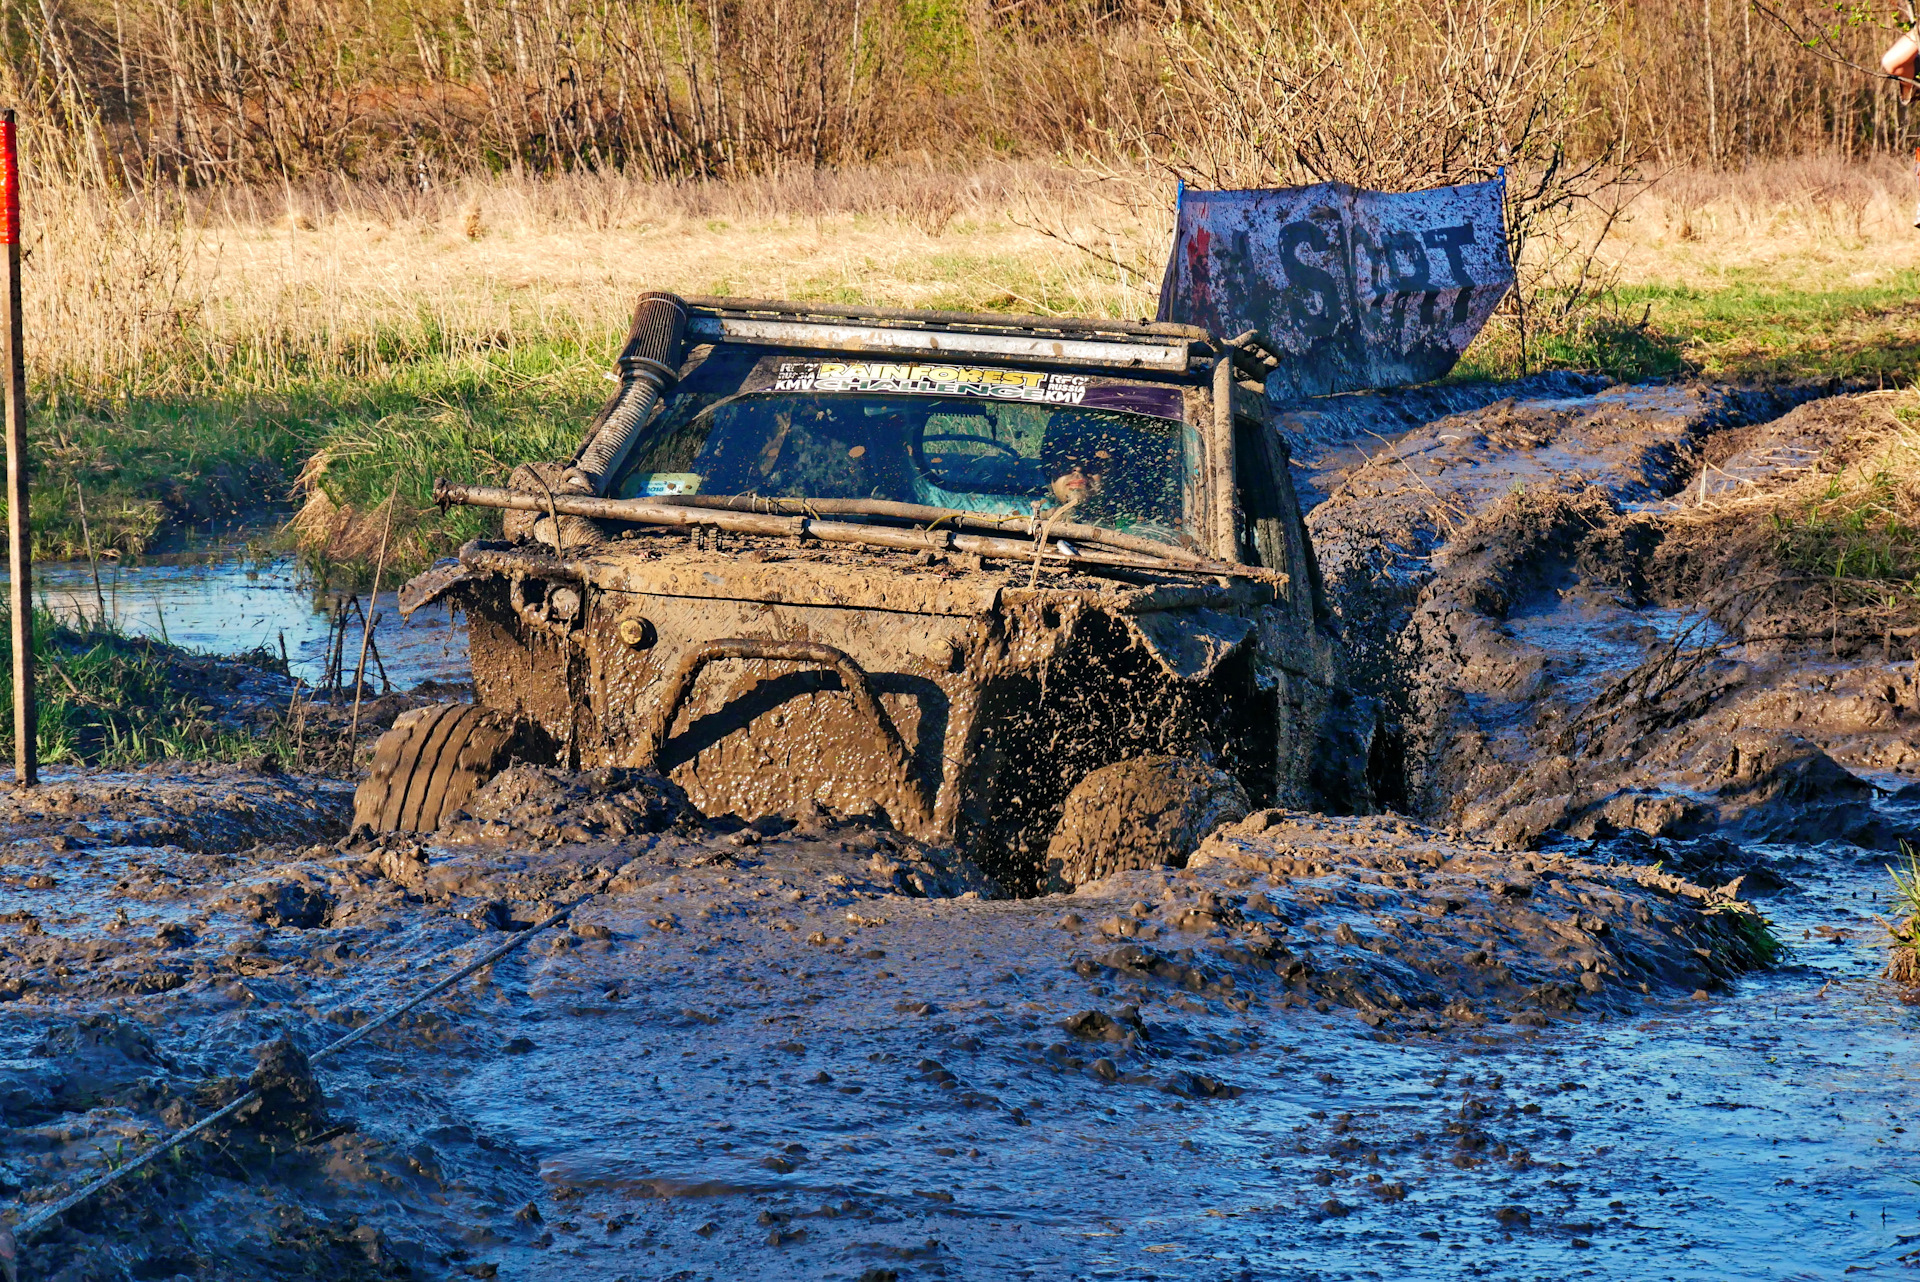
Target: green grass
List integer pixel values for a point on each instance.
(473, 419)
(1906, 894)
(1748, 330)
(1752, 331)
(149, 460)
(107, 699)
(1858, 539)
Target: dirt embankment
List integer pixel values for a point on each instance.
(1559, 631)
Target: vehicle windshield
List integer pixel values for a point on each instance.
(1119, 470)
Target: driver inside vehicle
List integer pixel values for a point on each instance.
(1110, 468)
(1082, 481)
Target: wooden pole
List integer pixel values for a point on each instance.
(26, 747)
(366, 621)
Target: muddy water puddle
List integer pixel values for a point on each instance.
(736, 1067)
(222, 590)
(730, 1113)
(1592, 643)
(1750, 1135)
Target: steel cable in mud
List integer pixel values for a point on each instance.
(9, 1238)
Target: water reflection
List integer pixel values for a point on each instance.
(221, 591)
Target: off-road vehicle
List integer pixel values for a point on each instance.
(1037, 588)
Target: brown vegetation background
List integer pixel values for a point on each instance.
(212, 92)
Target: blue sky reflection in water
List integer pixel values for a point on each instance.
(1752, 1135)
(1758, 1133)
(228, 602)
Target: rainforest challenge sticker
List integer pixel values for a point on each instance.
(931, 380)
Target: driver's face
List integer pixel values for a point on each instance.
(1080, 479)
(1076, 485)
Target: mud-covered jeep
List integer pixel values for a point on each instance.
(1036, 588)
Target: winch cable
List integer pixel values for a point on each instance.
(10, 1238)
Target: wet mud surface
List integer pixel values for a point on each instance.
(1549, 657)
(811, 1052)
(1530, 1030)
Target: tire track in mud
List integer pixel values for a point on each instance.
(1500, 570)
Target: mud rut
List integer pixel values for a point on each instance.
(1524, 1036)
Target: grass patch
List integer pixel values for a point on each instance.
(107, 699)
(1860, 534)
(1599, 339)
(1744, 329)
(1903, 932)
(473, 420)
(1750, 941)
(338, 443)
(1857, 537)
(1750, 329)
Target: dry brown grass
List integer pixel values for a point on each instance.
(1808, 222)
(251, 288)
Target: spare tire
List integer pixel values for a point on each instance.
(1149, 812)
(427, 766)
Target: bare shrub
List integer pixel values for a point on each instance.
(1385, 96)
(931, 208)
(426, 91)
(225, 91)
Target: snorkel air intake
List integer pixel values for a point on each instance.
(648, 366)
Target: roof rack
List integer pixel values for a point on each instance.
(1105, 344)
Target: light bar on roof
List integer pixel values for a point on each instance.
(1169, 357)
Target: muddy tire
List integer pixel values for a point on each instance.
(1150, 812)
(427, 766)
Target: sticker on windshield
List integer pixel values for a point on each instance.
(656, 485)
(931, 380)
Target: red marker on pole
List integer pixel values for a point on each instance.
(26, 746)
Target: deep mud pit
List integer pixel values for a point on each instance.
(1528, 1036)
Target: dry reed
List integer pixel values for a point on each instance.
(165, 293)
